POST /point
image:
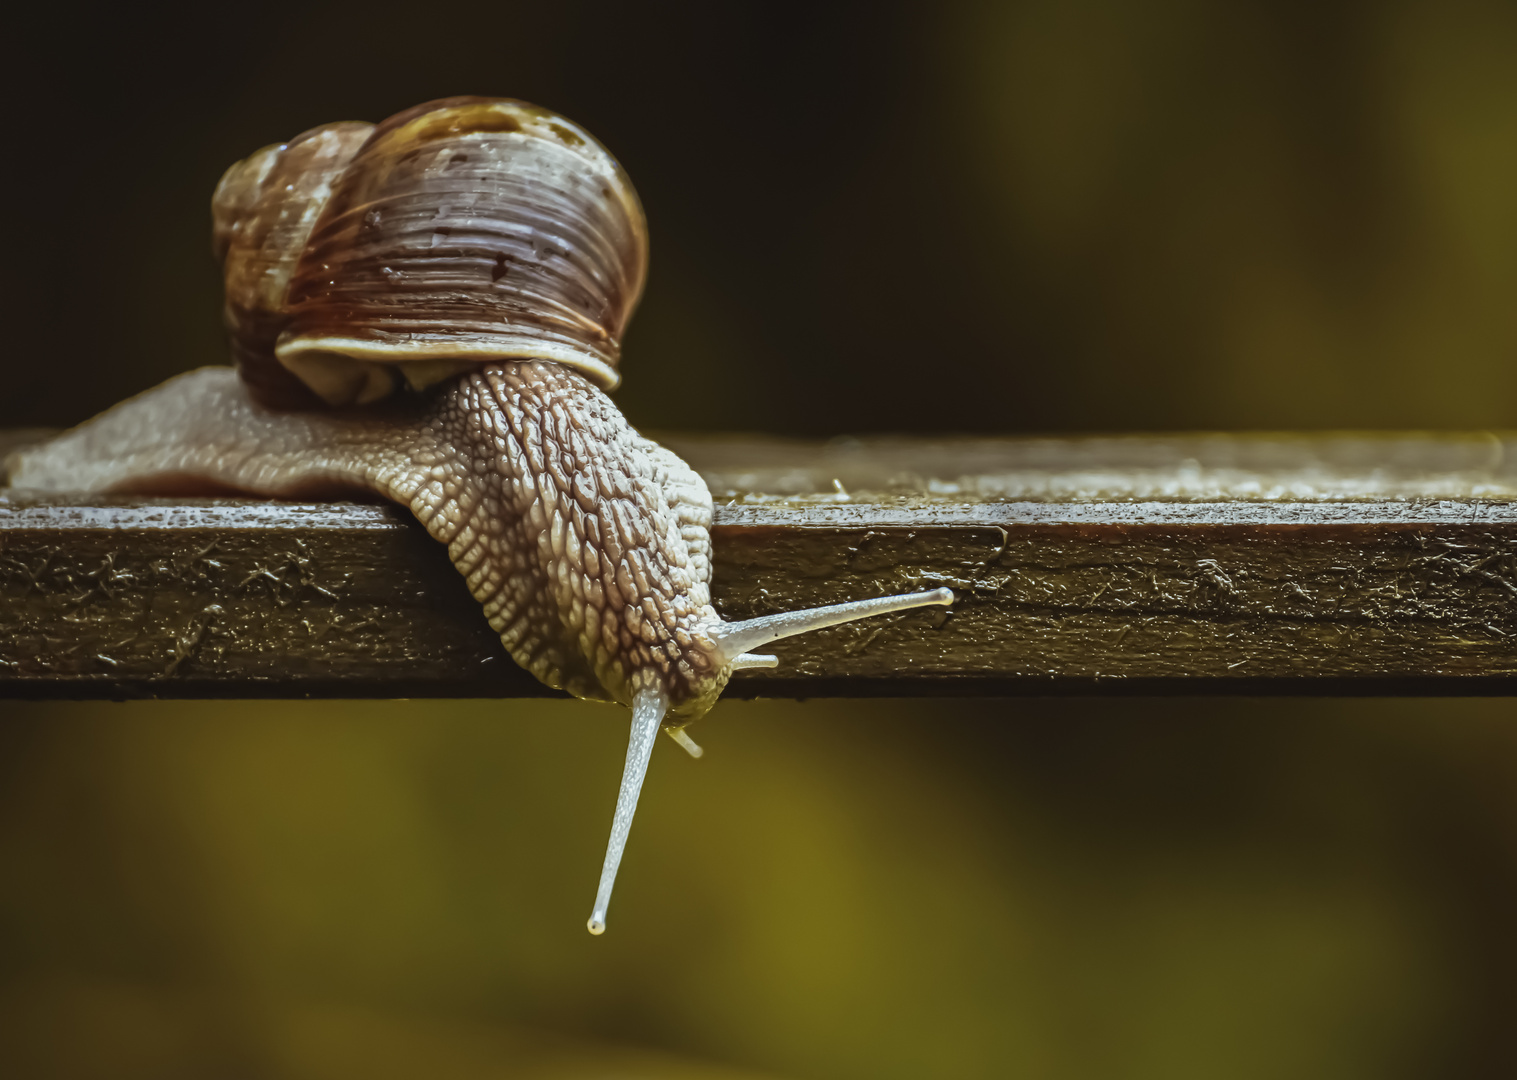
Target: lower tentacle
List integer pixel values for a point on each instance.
(649, 706)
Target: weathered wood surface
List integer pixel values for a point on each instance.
(1213, 564)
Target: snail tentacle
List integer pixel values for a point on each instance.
(736, 638)
(685, 742)
(649, 706)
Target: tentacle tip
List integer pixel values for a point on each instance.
(689, 745)
(596, 925)
(943, 596)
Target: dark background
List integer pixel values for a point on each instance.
(1029, 216)
(1009, 217)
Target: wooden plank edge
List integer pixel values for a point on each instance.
(1342, 523)
(743, 688)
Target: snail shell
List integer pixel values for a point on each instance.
(360, 259)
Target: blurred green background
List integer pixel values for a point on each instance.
(1028, 216)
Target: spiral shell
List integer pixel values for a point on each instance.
(362, 258)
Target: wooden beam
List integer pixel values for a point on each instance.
(1210, 564)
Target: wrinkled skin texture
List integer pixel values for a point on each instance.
(586, 544)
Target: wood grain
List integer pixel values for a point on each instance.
(1191, 564)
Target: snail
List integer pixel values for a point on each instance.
(431, 308)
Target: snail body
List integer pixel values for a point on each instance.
(431, 308)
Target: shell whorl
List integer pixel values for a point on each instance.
(359, 258)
